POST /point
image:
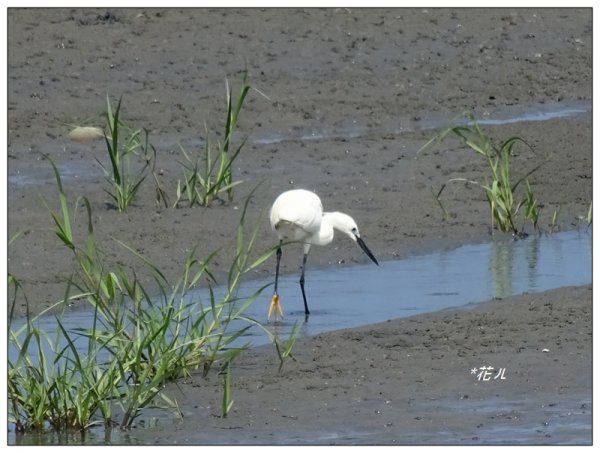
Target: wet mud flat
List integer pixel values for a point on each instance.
(418, 380)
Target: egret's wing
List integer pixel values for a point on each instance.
(300, 208)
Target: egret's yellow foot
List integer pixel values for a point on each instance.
(275, 307)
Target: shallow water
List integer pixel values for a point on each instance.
(357, 128)
(364, 294)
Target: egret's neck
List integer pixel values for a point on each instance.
(325, 234)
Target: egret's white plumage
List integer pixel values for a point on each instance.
(297, 215)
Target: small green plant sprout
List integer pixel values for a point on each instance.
(227, 402)
(284, 349)
(587, 218)
(150, 159)
(122, 143)
(209, 174)
(554, 222)
(437, 196)
(62, 221)
(499, 188)
(532, 212)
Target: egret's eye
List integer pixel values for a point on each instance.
(354, 230)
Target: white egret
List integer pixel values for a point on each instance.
(297, 215)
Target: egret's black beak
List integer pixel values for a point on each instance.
(366, 249)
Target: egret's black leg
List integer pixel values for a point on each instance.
(275, 305)
(306, 311)
(277, 267)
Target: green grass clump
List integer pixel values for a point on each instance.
(209, 174)
(122, 143)
(500, 185)
(138, 340)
